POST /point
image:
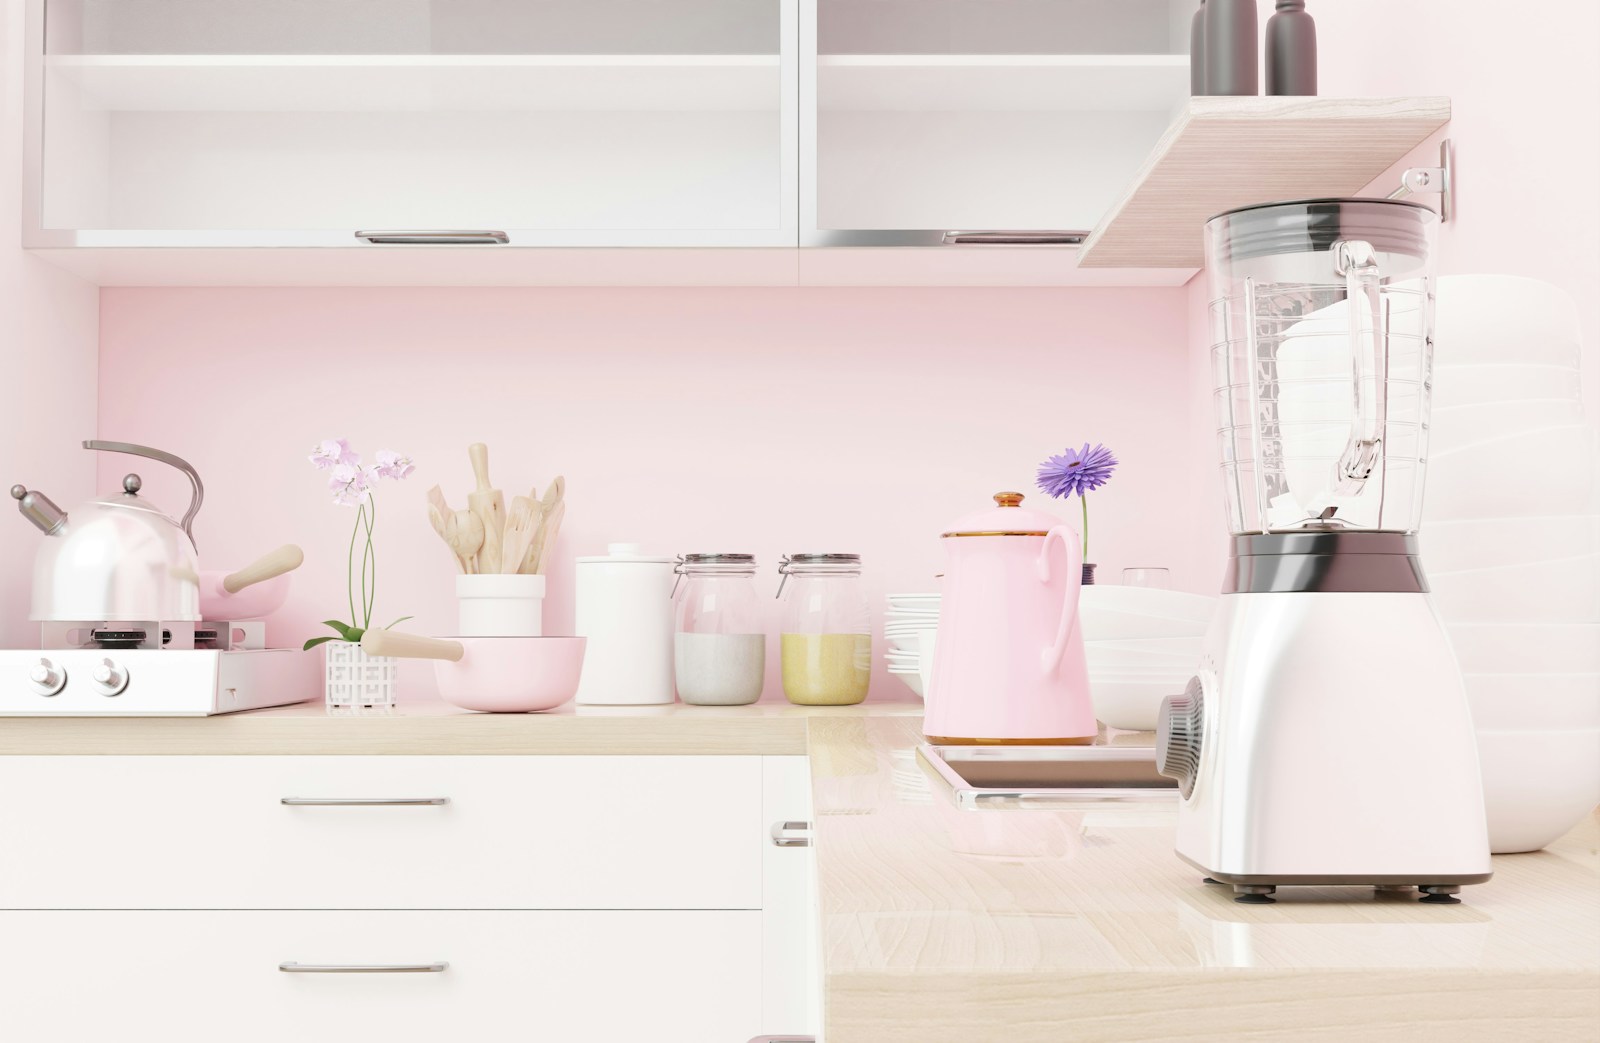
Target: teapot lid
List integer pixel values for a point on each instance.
(1007, 518)
(129, 498)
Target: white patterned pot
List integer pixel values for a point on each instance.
(355, 679)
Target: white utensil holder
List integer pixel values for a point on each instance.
(355, 679)
(500, 606)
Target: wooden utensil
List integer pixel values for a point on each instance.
(466, 535)
(490, 507)
(553, 496)
(522, 525)
(440, 517)
(547, 536)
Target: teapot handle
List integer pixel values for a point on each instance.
(197, 492)
(1050, 659)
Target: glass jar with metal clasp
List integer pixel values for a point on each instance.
(719, 638)
(826, 630)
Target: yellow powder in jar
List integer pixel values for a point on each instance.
(826, 669)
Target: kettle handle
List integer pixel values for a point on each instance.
(197, 492)
(1050, 659)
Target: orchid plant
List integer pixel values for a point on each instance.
(1077, 472)
(354, 484)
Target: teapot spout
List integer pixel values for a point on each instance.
(40, 509)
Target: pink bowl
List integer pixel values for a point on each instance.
(512, 674)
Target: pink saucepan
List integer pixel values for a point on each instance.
(492, 674)
(259, 589)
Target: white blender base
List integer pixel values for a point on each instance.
(1337, 748)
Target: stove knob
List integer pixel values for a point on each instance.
(109, 678)
(47, 678)
(1178, 733)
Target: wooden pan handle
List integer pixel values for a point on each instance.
(286, 558)
(410, 646)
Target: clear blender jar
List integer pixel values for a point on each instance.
(1322, 351)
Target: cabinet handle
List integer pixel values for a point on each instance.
(1052, 238)
(362, 802)
(421, 237)
(362, 968)
(792, 834)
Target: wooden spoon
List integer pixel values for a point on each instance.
(466, 532)
(490, 507)
(522, 525)
(553, 496)
(547, 536)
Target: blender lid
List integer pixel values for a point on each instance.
(1394, 226)
(1007, 518)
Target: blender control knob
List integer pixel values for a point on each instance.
(47, 678)
(109, 678)
(1178, 736)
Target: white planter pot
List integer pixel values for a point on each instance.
(500, 606)
(355, 679)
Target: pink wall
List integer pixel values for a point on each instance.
(758, 420)
(47, 363)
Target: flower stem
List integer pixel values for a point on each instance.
(372, 555)
(366, 556)
(1085, 500)
(349, 570)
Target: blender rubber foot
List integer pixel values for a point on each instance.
(1440, 895)
(1253, 894)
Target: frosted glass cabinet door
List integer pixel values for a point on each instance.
(920, 117)
(299, 122)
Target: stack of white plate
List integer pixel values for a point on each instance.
(1142, 645)
(1511, 546)
(908, 615)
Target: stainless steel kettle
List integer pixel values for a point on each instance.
(117, 558)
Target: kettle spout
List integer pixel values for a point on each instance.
(40, 509)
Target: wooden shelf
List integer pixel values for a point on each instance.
(398, 83)
(1002, 82)
(1226, 152)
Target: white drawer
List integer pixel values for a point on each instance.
(516, 833)
(200, 977)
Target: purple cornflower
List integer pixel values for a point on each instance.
(1076, 472)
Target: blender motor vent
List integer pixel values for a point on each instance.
(1178, 736)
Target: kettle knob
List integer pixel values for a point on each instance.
(1008, 499)
(131, 484)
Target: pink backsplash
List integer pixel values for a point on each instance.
(759, 420)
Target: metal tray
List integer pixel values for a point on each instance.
(1045, 777)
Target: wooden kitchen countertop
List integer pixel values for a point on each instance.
(940, 924)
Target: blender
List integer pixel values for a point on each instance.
(1326, 738)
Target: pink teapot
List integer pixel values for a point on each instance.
(1009, 665)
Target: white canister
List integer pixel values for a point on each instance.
(501, 606)
(624, 608)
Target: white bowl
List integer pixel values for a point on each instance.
(1530, 474)
(1451, 546)
(1100, 625)
(898, 598)
(1132, 704)
(1185, 646)
(1498, 382)
(1110, 661)
(1526, 648)
(1534, 702)
(1504, 318)
(1537, 785)
(1467, 424)
(1148, 601)
(912, 680)
(1562, 591)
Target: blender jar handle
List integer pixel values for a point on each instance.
(1369, 349)
(1050, 658)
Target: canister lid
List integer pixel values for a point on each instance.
(625, 553)
(1007, 518)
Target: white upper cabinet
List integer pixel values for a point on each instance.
(301, 122)
(922, 117)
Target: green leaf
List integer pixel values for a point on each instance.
(315, 641)
(397, 622)
(344, 629)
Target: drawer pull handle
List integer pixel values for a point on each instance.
(363, 802)
(430, 237)
(362, 968)
(792, 834)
